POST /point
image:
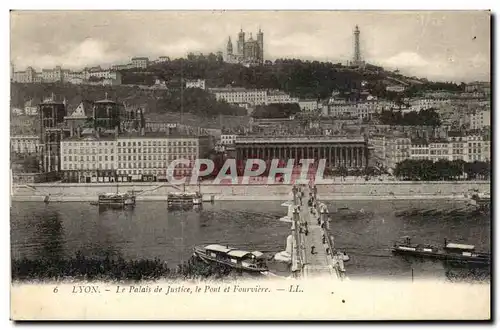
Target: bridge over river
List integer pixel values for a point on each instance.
(313, 249)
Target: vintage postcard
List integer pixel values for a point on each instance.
(250, 165)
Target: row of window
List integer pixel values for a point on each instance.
(154, 157)
(133, 143)
(152, 172)
(88, 158)
(95, 143)
(88, 151)
(111, 166)
(151, 165)
(155, 150)
(156, 143)
(87, 166)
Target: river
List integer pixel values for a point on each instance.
(364, 229)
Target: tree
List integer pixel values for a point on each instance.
(276, 110)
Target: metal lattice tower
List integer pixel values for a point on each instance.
(357, 51)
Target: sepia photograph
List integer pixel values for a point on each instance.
(250, 165)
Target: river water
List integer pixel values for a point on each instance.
(364, 229)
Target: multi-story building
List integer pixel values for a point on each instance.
(150, 153)
(419, 104)
(30, 109)
(481, 87)
(24, 144)
(439, 149)
(395, 88)
(130, 156)
(163, 59)
(52, 75)
(198, 83)
(140, 62)
(479, 119)
(457, 145)
(63, 75)
(474, 148)
(236, 95)
(28, 76)
(278, 96)
(419, 149)
(388, 151)
(89, 158)
(308, 105)
(228, 139)
(118, 67)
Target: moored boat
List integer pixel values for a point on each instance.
(453, 252)
(235, 258)
(116, 200)
(184, 198)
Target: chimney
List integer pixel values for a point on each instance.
(116, 131)
(79, 131)
(142, 131)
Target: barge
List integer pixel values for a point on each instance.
(450, 252)
(119, 200)
(184, 199)
(234, 258)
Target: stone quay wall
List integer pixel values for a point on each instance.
(336, 191)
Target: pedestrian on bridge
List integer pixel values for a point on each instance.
(313, 249)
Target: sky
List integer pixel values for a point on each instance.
(438, 45)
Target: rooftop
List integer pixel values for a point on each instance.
(298, 139)
(154, 135)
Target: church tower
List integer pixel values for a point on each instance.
(241, 43)
(229, 47)
(260, 41)
(229, 50)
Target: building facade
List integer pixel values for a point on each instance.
(480, 119)
(235, 95)
(198, 83)
(132, 156)
(247, 51)
(281, 97)
(338, 151)
(150, 154)
(308, 105)
(228, 139)
(58, 74)
(388, 151)
(140, 62)
(89, 159)
(24, 144)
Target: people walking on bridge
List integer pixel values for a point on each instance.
(323, 238)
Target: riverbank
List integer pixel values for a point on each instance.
(381, 190)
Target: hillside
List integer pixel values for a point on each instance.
(195, 101)
(303, 79)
